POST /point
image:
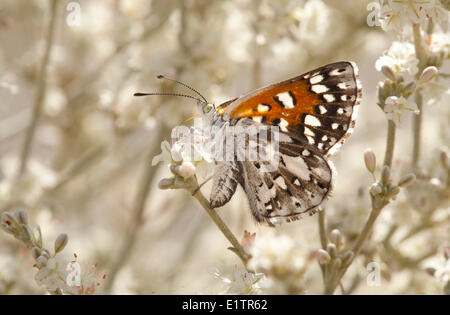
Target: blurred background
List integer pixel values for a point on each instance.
(84, 157)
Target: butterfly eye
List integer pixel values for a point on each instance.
(207, 108)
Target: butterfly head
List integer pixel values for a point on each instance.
(206, 108)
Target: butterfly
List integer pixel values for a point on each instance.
(314, 113)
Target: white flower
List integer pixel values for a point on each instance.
(396, 107)
(53, 275)
(242, 282)
(192, 146)
(442, 269)
(438, 43)
(400, 57)
(314, 20)
(277, 253)
(282, 261)
(398, 14)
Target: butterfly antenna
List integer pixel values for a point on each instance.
(183, 84)
(168, 94)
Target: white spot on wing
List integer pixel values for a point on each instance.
(342, 86)
(310, 135)
(329, 98)
(286, 99)
(280, 182)
(283, 124)
(319, 88)
(337, 72)
(297, 166)
(334, 125)
(257, 118)
(316, 79)
(322, 109)
(312, 121)
(263, 108)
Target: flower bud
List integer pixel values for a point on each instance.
(387, 71)
(166, 183)
(21, 216)
(336, 237)
(406, 180)
(323, 257)
(370, 160)
(332, 250)
(37, 236)
(36, 252)
(375, 189)
(8, 218)
(41, 262)
(186, 170)
(45, 253)
(386, 175)
(384, 90)
(61, 242)
(409, 88)
(428, 74)
(395, 190)
(27, 235)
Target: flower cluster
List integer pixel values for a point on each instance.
(398, 14)
(189, 148)
(54, 273)
(442, 270)
(242, 281)
(282, 261)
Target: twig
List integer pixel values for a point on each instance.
(390, 143)
(378, 203)
(41, 90)
(322, 229)
(417, 130)
(237, 248)
(191, 185)
(421, 55)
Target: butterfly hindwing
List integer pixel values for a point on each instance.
(224, 184)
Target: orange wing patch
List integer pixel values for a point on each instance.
(271, 105)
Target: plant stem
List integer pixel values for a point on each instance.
(417, 130)
(322, 229)
(237, 248)
(378, 203)
(421, 55)
(41, 90)
(390, 143)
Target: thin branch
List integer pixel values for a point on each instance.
(41, 90)
(378, 203)
(417, 130)
(322, 229)
(237, 248)
(390, 143)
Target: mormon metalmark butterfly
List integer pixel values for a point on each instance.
(315, 112)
